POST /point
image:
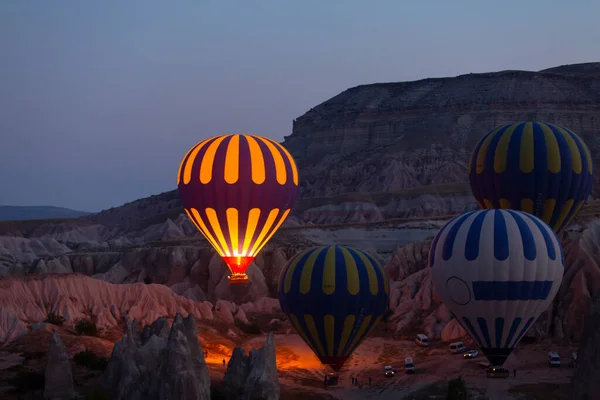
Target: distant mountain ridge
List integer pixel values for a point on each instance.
(9, 213)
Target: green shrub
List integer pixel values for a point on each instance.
(86, 327)
(28, 381)
(54, 319)
(457, 390)
(90, 360)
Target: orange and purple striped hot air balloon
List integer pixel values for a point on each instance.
(238, 190)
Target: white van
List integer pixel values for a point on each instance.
(409, 365)
(457, 348)
(553, 359)
(422, 340)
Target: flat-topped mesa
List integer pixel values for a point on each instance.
(430, 125)
(387, 137)
(369, 116)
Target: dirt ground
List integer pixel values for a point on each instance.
(301, 374)
(301, 370)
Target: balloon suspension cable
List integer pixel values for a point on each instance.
(238, 266)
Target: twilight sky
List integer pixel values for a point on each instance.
(99, 100)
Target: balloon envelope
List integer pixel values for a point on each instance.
(334, 296)
(496, 271)
(238, 190)
(540, 168)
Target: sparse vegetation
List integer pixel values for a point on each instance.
(86, 327)
(90, 360)
(55, 319)
(28, 381)
(457, 390)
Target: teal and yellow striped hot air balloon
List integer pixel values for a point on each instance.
(540, 168)
(334, 296)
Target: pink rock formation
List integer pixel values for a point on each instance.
(453, 331)
(31, 299)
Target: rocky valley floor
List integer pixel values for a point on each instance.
(301, 374)
(96, 273)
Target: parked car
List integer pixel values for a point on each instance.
(388, 371)
(497, 372)
(469, 354)
(409, 365)
(553, 359)
(457, 348)
(422, 340)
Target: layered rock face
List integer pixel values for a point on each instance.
(391, 136)
(74, 297)
(159, 364)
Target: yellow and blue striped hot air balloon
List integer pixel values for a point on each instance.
(540, 168)
(334, 296)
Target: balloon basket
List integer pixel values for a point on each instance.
(238, 279)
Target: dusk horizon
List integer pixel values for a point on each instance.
(102, 101)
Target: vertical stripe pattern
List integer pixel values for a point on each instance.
(238, 190)
(540, 168)
(496, 271)
(338, 295)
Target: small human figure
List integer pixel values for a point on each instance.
(325, 382)
(223, 362)
(353, 379)
(514, 373)
(369, 381)
(356, 380)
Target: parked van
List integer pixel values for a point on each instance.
(457, 347)
(422, 340)
(409, 365)
(553, 359)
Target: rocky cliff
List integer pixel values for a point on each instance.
(390, 136)
(376, 152)
(159, 364)
(404, 146)
(252, 376)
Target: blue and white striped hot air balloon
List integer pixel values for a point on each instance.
(496, 271)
